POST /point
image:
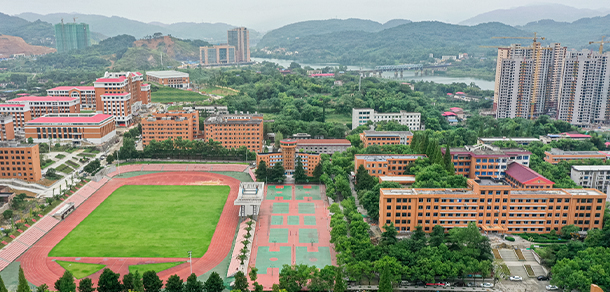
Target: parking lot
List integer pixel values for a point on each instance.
(516, 269)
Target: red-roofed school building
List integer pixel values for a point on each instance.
(86, 94)
(21, 114)
(42, 105)
(523, 177)
(121, 94)
(92, 128)
(484, 160)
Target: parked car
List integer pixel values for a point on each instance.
(516, 278)
(435, 284)
(543, 278)
(459, 284)
(487, 285)
(552, 287)
(470, 284)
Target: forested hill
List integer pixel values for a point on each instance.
(575, 34)
(285, 35)
(411, 42)
(38, 32)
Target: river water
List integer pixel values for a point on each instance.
(407, 75)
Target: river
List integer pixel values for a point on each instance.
(407, 75)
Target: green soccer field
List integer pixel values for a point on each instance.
(148, 221)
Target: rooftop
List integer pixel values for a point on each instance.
(42, 98)
(344, 142)
(576, 135)
(68, 88)
(12, 105)
(233, 119)
(385, 157)
(557, 151)
(509, 139)
(524, 174)
(484, 149)
(167, 74)
(112, 79)
(591, 167)
(371, 133)
(70, 118)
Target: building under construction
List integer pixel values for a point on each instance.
(528, 80)
(72, 36)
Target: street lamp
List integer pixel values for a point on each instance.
(191, 259)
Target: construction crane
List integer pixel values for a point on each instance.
(601, 44)
(535, 38)
(74, 18)
(537, 51)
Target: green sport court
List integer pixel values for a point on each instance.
(284, 192)
(320, 258)
(308, 235)
(148, 221)
(278, 235)
(272, 259)
(281, 208)
(307, 208)
(300, 192)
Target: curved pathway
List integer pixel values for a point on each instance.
(40, 269)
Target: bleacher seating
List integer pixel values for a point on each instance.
(30, 236)
(46, 223)
(12, 251)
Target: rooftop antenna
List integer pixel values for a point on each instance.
(74, 18)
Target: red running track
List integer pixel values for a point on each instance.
(40, 269)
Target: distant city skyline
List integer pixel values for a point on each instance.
(266, 15)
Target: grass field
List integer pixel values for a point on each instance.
(148, 221)
(80, 270)
(167, 94)
(217, 90)
(152, 267)
(65, 169)
(330, 117)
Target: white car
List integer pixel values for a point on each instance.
(471, 284)
(516, 278)
(552, 287)
(487, 285)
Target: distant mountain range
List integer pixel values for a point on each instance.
(526, 14)
(113, 26)
(575, 34)
(287, 34)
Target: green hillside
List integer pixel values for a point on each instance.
(575, 34)
(285, 35)
(411, 42)
(35, 33)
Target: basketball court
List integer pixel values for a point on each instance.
(293, 228)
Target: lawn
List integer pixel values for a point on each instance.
(217, 90)
(65, 169)
(80, 270)
(167, 95)
(153, 267)
(148, 221)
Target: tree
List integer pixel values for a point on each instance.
(261, 171)
(214, 283)
(41, 288)
(388, 237)
(8, 214)
(109, 282)
(364, 181)
(294, 278)
(253, 276)
(385, 281)
(23, 285)
(322, 280)
(193, 285)
(174, 284)
(448, 161)
(110, 159)
(137, 282)
(128, 282)
(299, 171)
(568, 230)
(318, 171)
(241, 282)
(85, 285)
(151, 282)
(339, 281)
(278, 173)
(51, 173)
(30, 140)
(65, 283)
(2, 286)
(437, 237)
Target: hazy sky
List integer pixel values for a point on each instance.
(269, 14)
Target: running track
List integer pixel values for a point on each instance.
(40, 269)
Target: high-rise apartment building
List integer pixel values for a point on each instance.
(360, 116)
(240, 39)
(584, 94)
(72, 36)
(528, 80)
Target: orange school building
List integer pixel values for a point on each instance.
(236, 130)
(170, 125)
(20, 161)
(288, 157)
(493, 206)
(385, 164)
(93, 128)
(42, 105)
(381, 138)
(556, 155)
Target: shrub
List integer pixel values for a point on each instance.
(509, 238)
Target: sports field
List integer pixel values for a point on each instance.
(148, 221)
